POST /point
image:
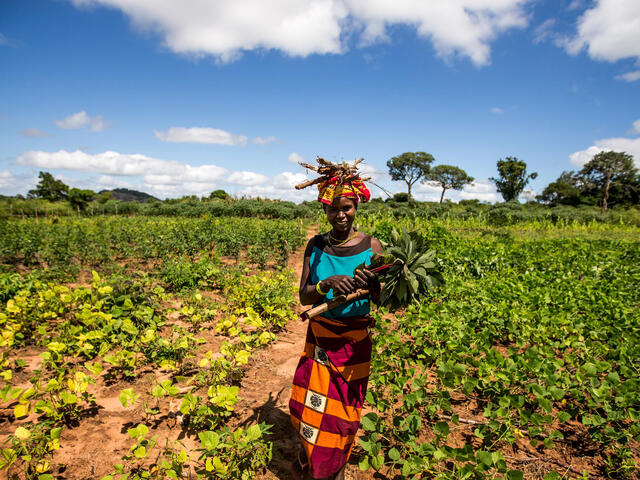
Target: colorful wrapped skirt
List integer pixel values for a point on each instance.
(329, 387)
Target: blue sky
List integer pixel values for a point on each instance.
(177, 98)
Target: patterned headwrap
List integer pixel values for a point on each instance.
(332, 189)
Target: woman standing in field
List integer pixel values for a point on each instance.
(330, 381)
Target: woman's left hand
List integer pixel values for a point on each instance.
(365, 278)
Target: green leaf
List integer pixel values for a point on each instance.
(128, 397)
(394, 454)
(441, 428)
(515, 475)
(140, 452)
(364, 464)
(370, 422)
(484, 457)
(209, 440)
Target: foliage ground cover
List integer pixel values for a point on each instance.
(173, 360)
(523, 365)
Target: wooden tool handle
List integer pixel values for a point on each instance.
(339, 300)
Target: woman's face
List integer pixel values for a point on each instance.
(341, 213)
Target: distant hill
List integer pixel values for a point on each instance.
(126, 195)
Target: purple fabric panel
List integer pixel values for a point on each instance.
(351, 353)
(352, 395)
(296, 408)
(303, 372)
(325, 461)
(338, 425)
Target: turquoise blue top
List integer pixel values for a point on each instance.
(327, 260)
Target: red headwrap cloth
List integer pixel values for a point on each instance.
(330, 190)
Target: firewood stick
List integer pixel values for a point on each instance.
(309, 183)
(342, 299)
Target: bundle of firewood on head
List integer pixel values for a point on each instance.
(339, 173)
(408, 270)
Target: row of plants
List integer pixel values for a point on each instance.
(507, 213)
(105, 240)
(528, 356)
(106, 332)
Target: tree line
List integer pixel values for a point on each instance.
(609, 178)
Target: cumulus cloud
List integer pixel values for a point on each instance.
(247, 178)
(620, 144)
(6, 178)
(281, 186)
(264, 140)
(295, 157)
(225, 29)
(629, 76)
(33, 133)
(81, 120)
(635, 128)
(201, 135)
(368, 170)
(482, 189)
(497, 110)
(109, 162)
(164, 178)
(13, 184)
(609, 31)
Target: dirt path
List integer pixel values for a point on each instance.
(266, 386)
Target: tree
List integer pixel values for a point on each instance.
(79, 198)
(512, 177)
(612, 177)
(49, 188)
(410, 167)
(219, 194)
(449, 177)
(566, 190)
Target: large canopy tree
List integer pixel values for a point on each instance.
(512, 177)
(410, 167)
(612, 178)
(49, 188)
(448, 177)
(566, 190)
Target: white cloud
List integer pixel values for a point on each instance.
(635, 127)
(544, 31)
(282, 186)
(109, 162)
(247, 178)
(483, 190)
(12, 184)
(201, 135)
(629, 76)
(620, 144)
(609, 31)
(225, 29)
(295, 157)
(6, 178)
(81, 120)
(33, 133)
(264, 140)
(368, 170)
(497, 110)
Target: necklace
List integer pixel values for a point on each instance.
(332, 238)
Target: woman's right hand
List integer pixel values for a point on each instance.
(341, 284)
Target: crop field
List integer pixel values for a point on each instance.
(138, 347)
